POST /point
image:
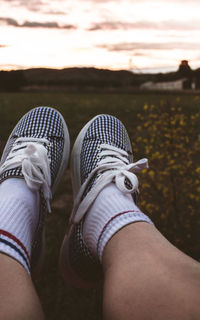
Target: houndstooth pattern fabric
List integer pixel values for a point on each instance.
(41, 122)
(105, 129)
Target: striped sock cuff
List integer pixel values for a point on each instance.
(13, 247)
(116, 223)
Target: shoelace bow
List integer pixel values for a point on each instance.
(31, 155)
(113, 166)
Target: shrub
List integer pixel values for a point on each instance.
(170, 188)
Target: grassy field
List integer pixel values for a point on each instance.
(164, 128)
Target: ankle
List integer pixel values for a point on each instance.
(19, 214)
(111, 211)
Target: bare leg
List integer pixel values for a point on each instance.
(148, 278)
(18, 299)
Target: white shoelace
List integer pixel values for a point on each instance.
(113, 166)
(31, 155)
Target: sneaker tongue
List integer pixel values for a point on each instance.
(39, 132)
(31, 156)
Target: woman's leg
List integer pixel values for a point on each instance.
(145, 277)
(18, 298)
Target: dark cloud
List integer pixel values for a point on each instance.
(9, 21)
(120, 25)
(68, 26)
(150, 46)
(105, 26)
(52, 25)
(35, 24)
(165, 25)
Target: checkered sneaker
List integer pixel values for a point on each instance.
(102, 154)
(38, 151)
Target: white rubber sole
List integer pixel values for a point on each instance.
(75, 158)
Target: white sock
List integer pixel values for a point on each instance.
(19, 213)
(111, 211)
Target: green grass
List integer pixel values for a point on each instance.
(59, 301)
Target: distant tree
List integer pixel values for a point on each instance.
(11, 80)
(184, 68)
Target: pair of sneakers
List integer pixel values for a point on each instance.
(38, 151)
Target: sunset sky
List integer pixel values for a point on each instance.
(122, 34)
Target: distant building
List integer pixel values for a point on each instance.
(183, 79)
(168, 85)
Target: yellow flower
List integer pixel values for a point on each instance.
(182, 123)
(151, 173)
(171, 161)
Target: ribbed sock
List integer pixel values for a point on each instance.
(111, 211)
(19, 212)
